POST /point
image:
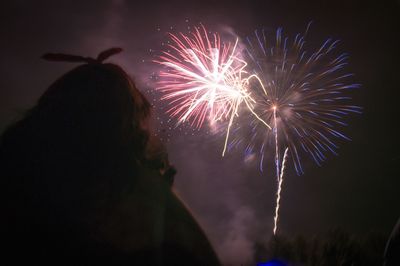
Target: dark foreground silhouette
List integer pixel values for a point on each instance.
(83, 182)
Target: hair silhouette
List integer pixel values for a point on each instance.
(82, 181)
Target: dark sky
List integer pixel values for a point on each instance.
(358, 190)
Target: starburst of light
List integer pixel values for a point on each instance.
(204, 79)
(305, 96)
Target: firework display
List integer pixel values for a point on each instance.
(297, 98)
(304, 92)
(304, 95)
(204, 79)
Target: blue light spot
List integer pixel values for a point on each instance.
(272, 263)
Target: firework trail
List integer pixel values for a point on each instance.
(278, 193)
(205, 79)
(305, 96)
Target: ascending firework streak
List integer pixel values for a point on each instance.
(304, 96)
(278, 193)
(205, 79)
(279, 169)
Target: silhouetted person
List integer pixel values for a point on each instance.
(82, 182)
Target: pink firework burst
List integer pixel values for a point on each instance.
(204, 79)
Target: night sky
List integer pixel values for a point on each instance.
(357, 190)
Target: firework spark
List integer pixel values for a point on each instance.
(305, 96)
(205, 79)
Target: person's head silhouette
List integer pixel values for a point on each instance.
(78, 180)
